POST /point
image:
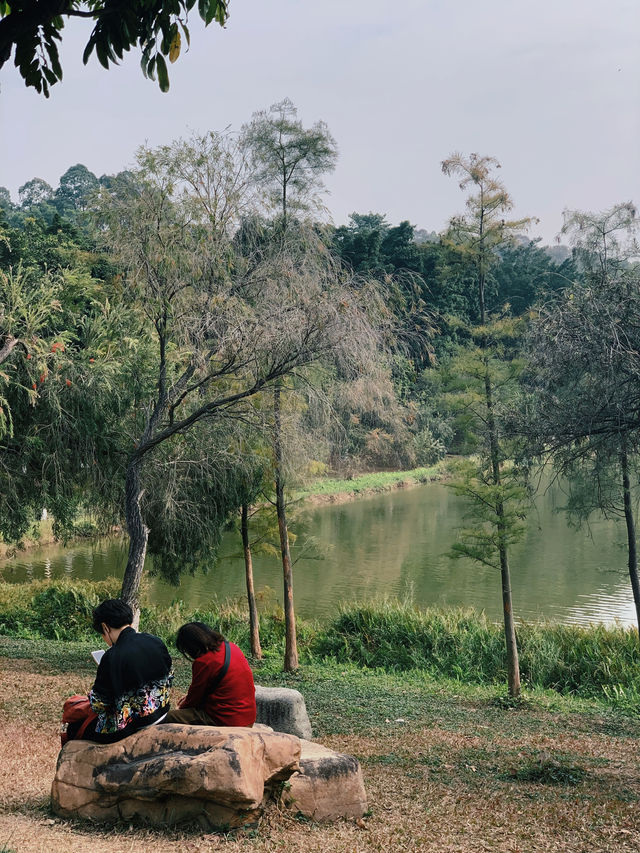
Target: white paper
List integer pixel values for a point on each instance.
(97, 656)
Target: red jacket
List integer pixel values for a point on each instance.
(233, 701)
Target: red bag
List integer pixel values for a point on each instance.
(76, 716)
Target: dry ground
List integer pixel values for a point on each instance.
(541, 782)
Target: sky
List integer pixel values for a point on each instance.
(551, 88)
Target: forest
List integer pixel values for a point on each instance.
(189, 340)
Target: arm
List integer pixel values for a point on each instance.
(201, 674)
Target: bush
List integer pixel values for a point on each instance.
(59, 610)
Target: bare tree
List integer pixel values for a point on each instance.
(228, 321)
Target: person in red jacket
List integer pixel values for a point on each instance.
(222, 692)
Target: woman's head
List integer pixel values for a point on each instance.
(196, 638)
(113, 612)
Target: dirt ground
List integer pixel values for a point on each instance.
(542, 786)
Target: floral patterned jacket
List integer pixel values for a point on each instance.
(132, 685)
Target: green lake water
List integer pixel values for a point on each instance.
(395, 544)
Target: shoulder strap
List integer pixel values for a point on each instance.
(223, 671)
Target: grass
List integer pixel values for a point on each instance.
(390, 636)
(464, 645)
(446, 766)
(378, 481)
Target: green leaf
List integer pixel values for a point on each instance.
(163, 74)
(88, 51)
(101, 53)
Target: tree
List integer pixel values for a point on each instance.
(58, 337)
(289, 160)
(35, 192)
(5, 200)
(527, 274)
(227, 320)
(28, 305)
(289, 163)
(375, 249)
(479, 234)
(33, 28)
(76, 186)
(584, 374)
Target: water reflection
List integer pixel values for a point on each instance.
(394, 545)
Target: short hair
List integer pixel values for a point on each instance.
(196, 638)
(114, 612)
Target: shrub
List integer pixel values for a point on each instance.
(58, 610)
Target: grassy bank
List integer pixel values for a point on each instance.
(454, 644)
(327, 488)
(447, 766)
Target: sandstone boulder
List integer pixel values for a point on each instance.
(329, 785)
(170, 774)
(284, 710)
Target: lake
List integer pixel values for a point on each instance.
(394, 544)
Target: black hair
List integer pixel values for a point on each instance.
(114, 612)
(196, 638)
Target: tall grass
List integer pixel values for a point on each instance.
(61, 610)
(463, 644)
(389, 635)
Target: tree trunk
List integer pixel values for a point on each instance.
(513, 662)
(254, 623)
(138, 538)
(631, 531)
(291, 642)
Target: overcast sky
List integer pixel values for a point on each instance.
(551, 88)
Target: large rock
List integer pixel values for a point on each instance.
(170, 774)
(284, 710)
(328, 785)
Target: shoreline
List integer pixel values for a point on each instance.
(333, 491)
(323, 491)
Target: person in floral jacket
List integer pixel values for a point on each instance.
(134, 676)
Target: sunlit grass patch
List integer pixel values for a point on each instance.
(377, 481)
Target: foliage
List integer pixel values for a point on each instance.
(372, 248)
(582, 344)
(76, 187)
(288, 159)
(583, 388)
(527, 274)
(60, 610)
(154, 26)
(67, 383)
(232, 311)
(479, 234)
(483, 540)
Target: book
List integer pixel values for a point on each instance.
(97, 656)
